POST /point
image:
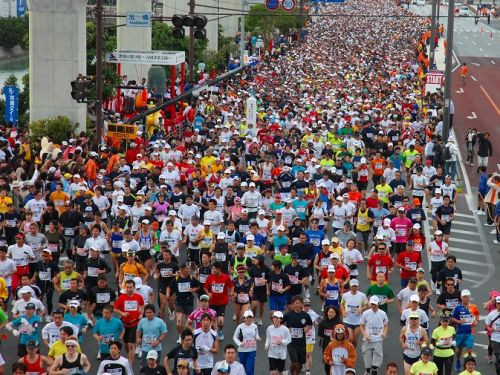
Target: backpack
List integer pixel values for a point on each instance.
(447, 153)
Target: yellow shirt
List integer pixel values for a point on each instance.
(58, 198)
(421, 368)
(58, 348)
(3, 204)
(4, 292)
(337, 250)
(444, 338)
(205, 164)
(253, 251)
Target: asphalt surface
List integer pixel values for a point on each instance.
(470, 240)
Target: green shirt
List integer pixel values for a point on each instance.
(284, 259)
(421, 368)
(443, 338)
(3, 316)
(383, 293)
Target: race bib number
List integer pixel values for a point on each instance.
(203, 278)
(276, 340)
(106, 339)
(446, 218)
(221, 257)
(92, 271)
(276, 286)
(217, 288)
(260, 281)
(333, 294)
(148, 339)
(375, 331)
(294, 279)
(467, 319)
(131, 306)
(44, 275)
(243, 298)
(116, 244)
(166, 272)
(324, 262)
(337, 359)
(102, 297)
(69, 231)
(20, 261)
(412, 266)
(296, 333)
(52, 247)
(400, 232)
(249, 343)
(184, 287)
(65, 284)
(380, 269)
(128, 276)
(81, 251)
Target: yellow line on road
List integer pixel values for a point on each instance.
(491, 100)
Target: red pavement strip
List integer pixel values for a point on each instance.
(482, 97)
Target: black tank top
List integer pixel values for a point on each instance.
(73, 367)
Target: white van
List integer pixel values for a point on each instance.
(463, 11)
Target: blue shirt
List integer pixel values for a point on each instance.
(78, 321)
(110, 330)
(315, 237)
(151, 331)
(462, 312)
(259, 239)
(300, 207)
(27, 327)
(278, 241)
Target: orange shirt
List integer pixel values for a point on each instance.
(378, 166)
(464, 70)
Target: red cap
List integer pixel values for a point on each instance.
(20, 235)
(428, 161)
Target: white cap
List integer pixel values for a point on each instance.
(207, 222)
(437, 191)
(414, 298)
(374, 300)
(354, 282)
(334, 255)
(251, 184)
(262, 212)
(248, 313)
(152, 354)
(331, 268)
(387, 221)
(325, 242)
(278, 314)
(281, 228)
(250, 237)
(221, 236)
(363, 160)
(172, 213)
(438, 232)
(416, 226)
(25, 289)
(145, 221)
(74, 303)
(465, 293)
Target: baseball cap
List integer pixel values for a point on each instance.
(426, 350)
(325, 242)
(414, 298)
(25, 289)
(31, 344)
(497, 299)
(250, 237)
(335, 240)
(278, 314)
(354, 282)
(416, 226)
(221, 236)
(152, 354)
(307, 302)
(420, 269)
(437, 191)
(204, 297)
(248, 314)
(465, 293)
(31, 306)
(374, 300)
(387, 221)
(331, 268)
(334, 256)
(295, 256)
(207, 222)
(438, 233)
(281, 228)
(401, 209)
(183, 363)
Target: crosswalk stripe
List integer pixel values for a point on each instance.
(472, 273)
(464, 223)
(460, 240)
(464, 232)
(462, 215)
(463, 251)
(470, 280)
(476, 263)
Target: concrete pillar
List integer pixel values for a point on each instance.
(182, 7)
(57, 54)
(133, 38)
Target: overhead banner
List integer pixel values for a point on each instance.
(146, 57)
(21, 8)
(11, 104)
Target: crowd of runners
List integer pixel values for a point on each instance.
(324, 201)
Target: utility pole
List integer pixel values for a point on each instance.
(447, 71)
(242, 31)
(433, 33)
(191, 43)
(98, 72)
(302, 20)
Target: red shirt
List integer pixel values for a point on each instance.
(132, 305)
(380, 263)
(341, 273)
(409, 259)
(372, 202)
(218, 286)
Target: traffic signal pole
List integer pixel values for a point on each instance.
(433, 33)
(242, 32)
(98, 71)
(191, 44)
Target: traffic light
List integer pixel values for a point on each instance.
(188, 20)
(80, 89)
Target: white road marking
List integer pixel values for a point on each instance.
(472, 116)
(472, 273)
(460, 240)
(473, 262)
(498, 166)
(460, 90)
(473, 78)
(460, 43)
(484, 346)
(492, 62)
(453, 230)
(486, 55)
(474, 43)
(476, 64)
(463, 251)
(463, 215)
(455, 222)
(466, 37)
(480, 49)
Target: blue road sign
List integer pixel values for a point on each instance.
(272, 5)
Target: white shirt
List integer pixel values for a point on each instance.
(422, 316)
(374, 323)
(137, 213)
(352, 303)
(99, 243)
(202, 341)
(273, 335)
(437, 252)
(404, 296)
(251, 200)
(192, 233)
(216, 218)
(236, 368)
(50, 332)
(339, 214)
(20, 305)
(172, 239)
(7, 268)
(37, 207)
(144, 291)
(495, 334)
(186, 212)
(20, 255)
(246, 341)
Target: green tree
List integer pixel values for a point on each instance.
(57, 129)
(111, 78)
(261, 20)
(13, 31)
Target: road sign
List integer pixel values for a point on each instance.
(146, 57)
(434, 80)
(288, 5)
(139, 19)
(327, 1)
(122, 131)
(272, 5)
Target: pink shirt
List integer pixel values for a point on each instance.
(401, 228)
(195, 316)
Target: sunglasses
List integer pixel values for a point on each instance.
(450, 284)
(381, 248)
(71, 346)
(413, 318)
